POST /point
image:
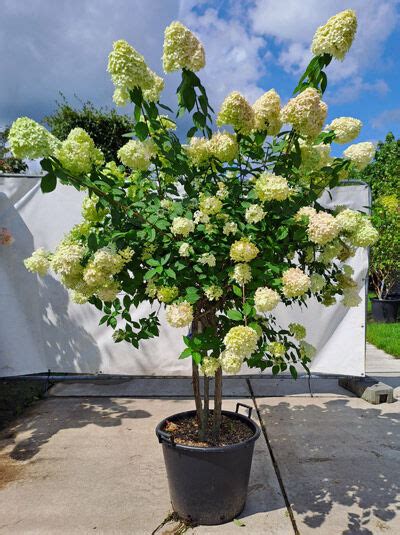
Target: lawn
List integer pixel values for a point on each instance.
(385, 336)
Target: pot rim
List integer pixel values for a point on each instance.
(213, 449)
(395, 300)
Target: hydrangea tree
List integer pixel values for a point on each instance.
(220, 229)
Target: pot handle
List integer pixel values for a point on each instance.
(249, 409)
(165, 437)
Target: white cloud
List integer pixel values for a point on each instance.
(49, 47)
(348, 92)
(386, 119)
(234, 59)
(293, 24)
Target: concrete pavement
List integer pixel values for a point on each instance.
(83, 461)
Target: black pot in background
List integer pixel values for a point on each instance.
(208, 485)
(385, 310)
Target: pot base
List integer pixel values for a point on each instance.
(208, 486)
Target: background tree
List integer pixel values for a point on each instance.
(105, 127)
(383, 176)
(8, 162)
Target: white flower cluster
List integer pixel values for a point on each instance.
(313, 157)
(78, 153)
(137, 154)
(306, 113)
(270, 187)
(230, 362)
(222, 146)
(207, 259)
(267, 113)
(305, 212)
(230, 228)
(346, 129)
(39, 262)
(317, 283)
(89, 210)
(254, 213)
(182, 49)
(166, 294)
(307, 350)
(209, 205)
(179, 314)
(209, 366)
(242, 274)
(297, 330)
(237, 112)
(266, 299)
(128, 70)
(322, 228)
(29, 139)
(243, 250)
(241, 341)
(185, 249)
(336, 36)
(295, 282)
(214, 292)
(277, 349)
(182, 226)
(360, 154)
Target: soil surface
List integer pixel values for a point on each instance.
(186, 431)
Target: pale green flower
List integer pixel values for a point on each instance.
(78, 153)
(237, 112)
(137, 154)
(182, 49)
(336, 36)
(28, 139)
(267, 110)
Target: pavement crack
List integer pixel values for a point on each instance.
(274, 462)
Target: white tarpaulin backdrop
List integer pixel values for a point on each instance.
(41, 329)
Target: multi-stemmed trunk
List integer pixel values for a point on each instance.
(202, 400)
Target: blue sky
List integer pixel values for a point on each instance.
(251, 46)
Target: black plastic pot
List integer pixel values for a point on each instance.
(385, 310)
(208, 485)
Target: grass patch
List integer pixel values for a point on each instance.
(385, 336)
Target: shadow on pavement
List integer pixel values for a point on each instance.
(334, 455)
(67, 414)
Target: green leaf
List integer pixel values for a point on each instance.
(234, 315)
(150, 274)
(188, 97)
(196, 356)
(185, 353)
(281, 233)
(191, 132)
(153, 262)
(170, 273)
(239, 523)
(237, 290)
(199, 119)
(48, 183)
(256, 327)
(293, 371)
(141, 130)
(92, 242)
(247, 309)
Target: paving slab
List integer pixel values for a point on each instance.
(143, 387)
(84, 465)
(339, 461)
(287, 386)
(380, 362)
